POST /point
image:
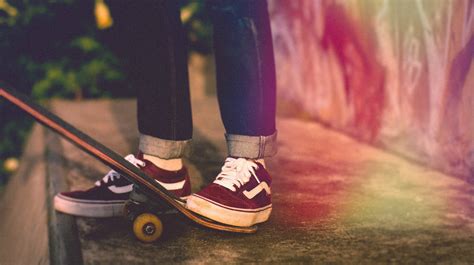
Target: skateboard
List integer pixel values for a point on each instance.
(145, 213)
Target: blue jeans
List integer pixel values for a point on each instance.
(245, 71)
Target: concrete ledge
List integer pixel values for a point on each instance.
(31, 232)
(64, 244)
(23, 214)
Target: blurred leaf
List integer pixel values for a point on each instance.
(188, 11)
(86, 44)
(102, 15)
(10, 11)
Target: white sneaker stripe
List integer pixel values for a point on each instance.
(128, 188)
(120, 190)
(172, 186)
(257, 190)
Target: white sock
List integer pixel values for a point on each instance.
(261, 161)
(166, 164)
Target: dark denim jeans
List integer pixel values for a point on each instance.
(245, 75)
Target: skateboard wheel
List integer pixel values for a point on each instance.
(147, 227)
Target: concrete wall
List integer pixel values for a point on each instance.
(393, 73)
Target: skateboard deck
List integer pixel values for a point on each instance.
(111, 159)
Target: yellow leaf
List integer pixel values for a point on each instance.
(102, 15)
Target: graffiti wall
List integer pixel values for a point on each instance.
(394, 73)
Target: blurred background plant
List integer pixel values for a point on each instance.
(54, 49)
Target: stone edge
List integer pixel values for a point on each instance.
(64, 243)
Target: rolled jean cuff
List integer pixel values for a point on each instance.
(162, 148)
(253, 147)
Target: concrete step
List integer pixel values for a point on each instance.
(335, 200)
(23, 208)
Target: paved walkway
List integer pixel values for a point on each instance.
(335, 200)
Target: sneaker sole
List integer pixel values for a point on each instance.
(96, 209)
(227, 215)
(88, 208)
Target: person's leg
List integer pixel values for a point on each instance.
(245, 76)
(245, 67)
(161, 73)
(150, 41)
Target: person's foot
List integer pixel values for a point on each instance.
(107, 197)
(240, 195)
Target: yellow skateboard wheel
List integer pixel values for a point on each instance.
(147, 227)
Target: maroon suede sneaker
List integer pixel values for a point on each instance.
(176, 182)
(107, 197)
(240, 195)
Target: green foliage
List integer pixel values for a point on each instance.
(93, 69)
(54, 49)
(51, 49)
(197, 25)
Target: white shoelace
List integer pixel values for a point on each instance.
(236, 172)
(112, 175)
